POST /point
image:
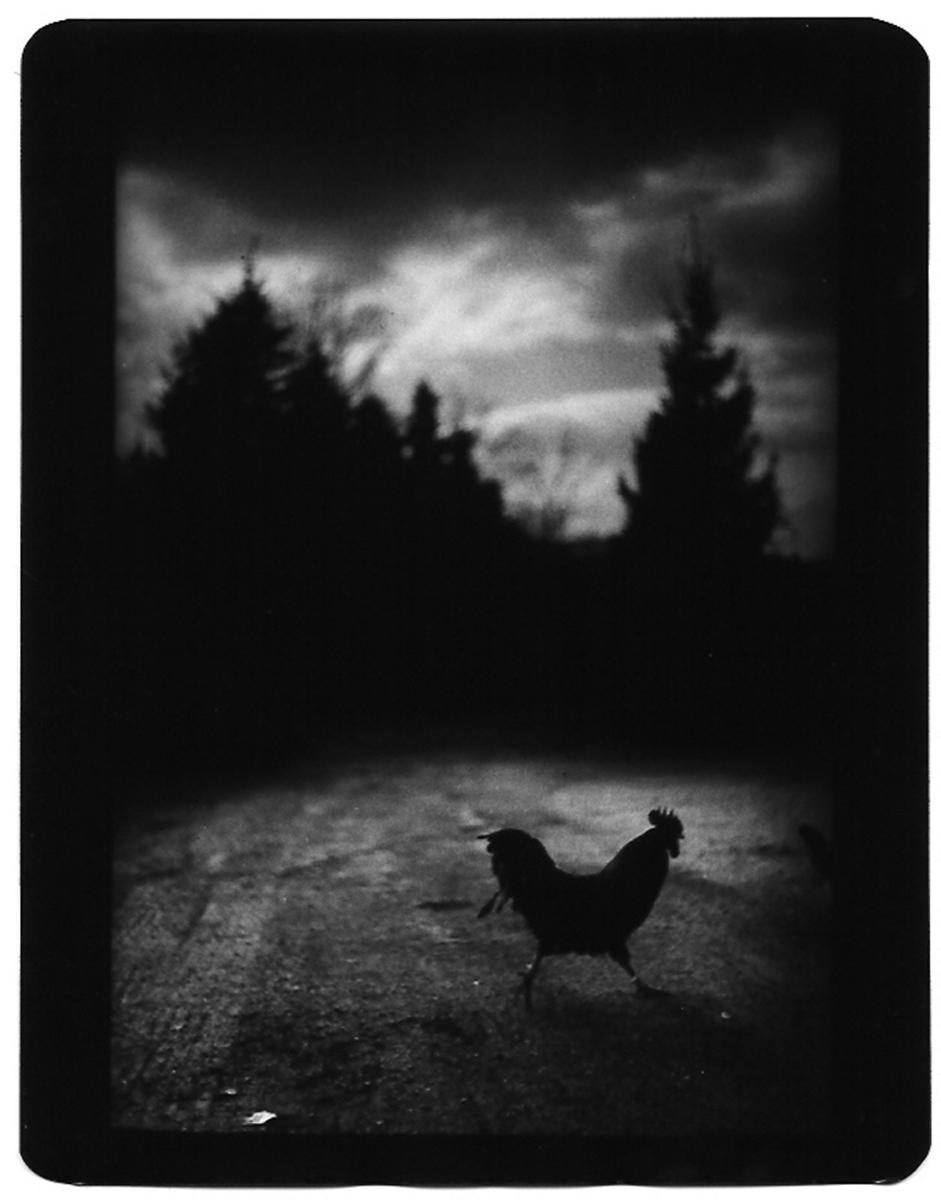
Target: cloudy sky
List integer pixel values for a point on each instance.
(514, 198)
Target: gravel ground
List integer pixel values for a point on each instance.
(305, 956)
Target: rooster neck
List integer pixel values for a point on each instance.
(648, 846)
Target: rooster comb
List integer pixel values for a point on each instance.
(667, 820)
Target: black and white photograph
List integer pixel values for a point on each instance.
(474, 589)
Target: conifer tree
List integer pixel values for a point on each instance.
(703, 500)
(216, 608)
(222, 386)
(421, 431)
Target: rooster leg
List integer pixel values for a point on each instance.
(528, 976)
(623, 959)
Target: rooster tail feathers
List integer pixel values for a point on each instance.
(516, 858)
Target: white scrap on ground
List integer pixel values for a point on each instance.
(259, 1118)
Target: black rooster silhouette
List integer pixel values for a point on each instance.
(582, 914)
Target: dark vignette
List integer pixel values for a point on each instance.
(881, 1015)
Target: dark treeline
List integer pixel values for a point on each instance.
(292, 559)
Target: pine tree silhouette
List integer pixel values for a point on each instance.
(224, 377)
(695, 607)
(702, 500)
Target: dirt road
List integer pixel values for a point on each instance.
(305, 955)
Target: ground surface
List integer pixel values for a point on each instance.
(309, 948)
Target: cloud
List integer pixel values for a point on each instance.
(471, 288)
(597, 416)
(786, 171)
(517, 209)
(534, 323)
(567, 452)
(767, 212)
(475, 291)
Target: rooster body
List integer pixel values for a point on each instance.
(582, 914)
